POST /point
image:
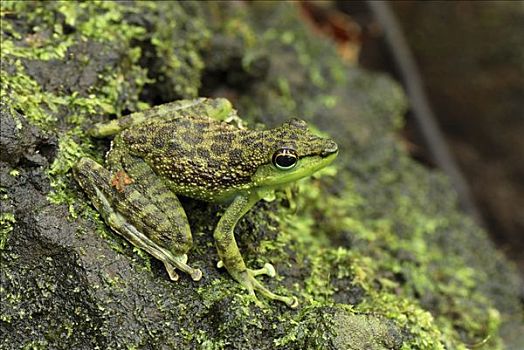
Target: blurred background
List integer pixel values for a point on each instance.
(462, 65)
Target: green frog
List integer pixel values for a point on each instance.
(191, 148)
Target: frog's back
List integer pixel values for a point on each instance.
(199, 156)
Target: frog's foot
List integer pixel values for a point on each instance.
(247, 280)
(171, 271)
(170, 260)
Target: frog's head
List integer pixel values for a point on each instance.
(293, 152)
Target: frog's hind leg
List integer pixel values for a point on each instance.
(164, 217)
(218, 108)
(158, 225)
(162, 111)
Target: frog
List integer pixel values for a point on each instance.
(193, 148)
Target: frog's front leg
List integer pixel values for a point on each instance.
(230, 255)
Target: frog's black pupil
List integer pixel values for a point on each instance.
(285, 158)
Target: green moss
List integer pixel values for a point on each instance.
(24, 93)
(310, 329)
(69, 153)
(6, 226)
(101, 22)
(7, 218)
(365, 331)
(178, 35)
(328, 264)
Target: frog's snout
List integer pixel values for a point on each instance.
(330, 148)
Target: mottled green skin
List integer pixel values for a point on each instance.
(185, 148)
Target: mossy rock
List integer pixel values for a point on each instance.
(375, 247)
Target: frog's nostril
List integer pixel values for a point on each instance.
(331, 147)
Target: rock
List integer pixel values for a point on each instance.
(377, 251)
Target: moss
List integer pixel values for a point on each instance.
(365, 332)
(7, 216)
(177, 35)
(6, 226)
(100, 22)
(311, 329)
(328, 265)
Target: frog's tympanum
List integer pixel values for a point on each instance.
(187, 148)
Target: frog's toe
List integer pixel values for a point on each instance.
(180, 262)
(267, 270)
(171, 271)
(196, 275)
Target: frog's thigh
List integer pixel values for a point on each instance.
(156, 207)
(218, 108)
(164, 111)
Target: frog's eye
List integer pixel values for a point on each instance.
(285, 159)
